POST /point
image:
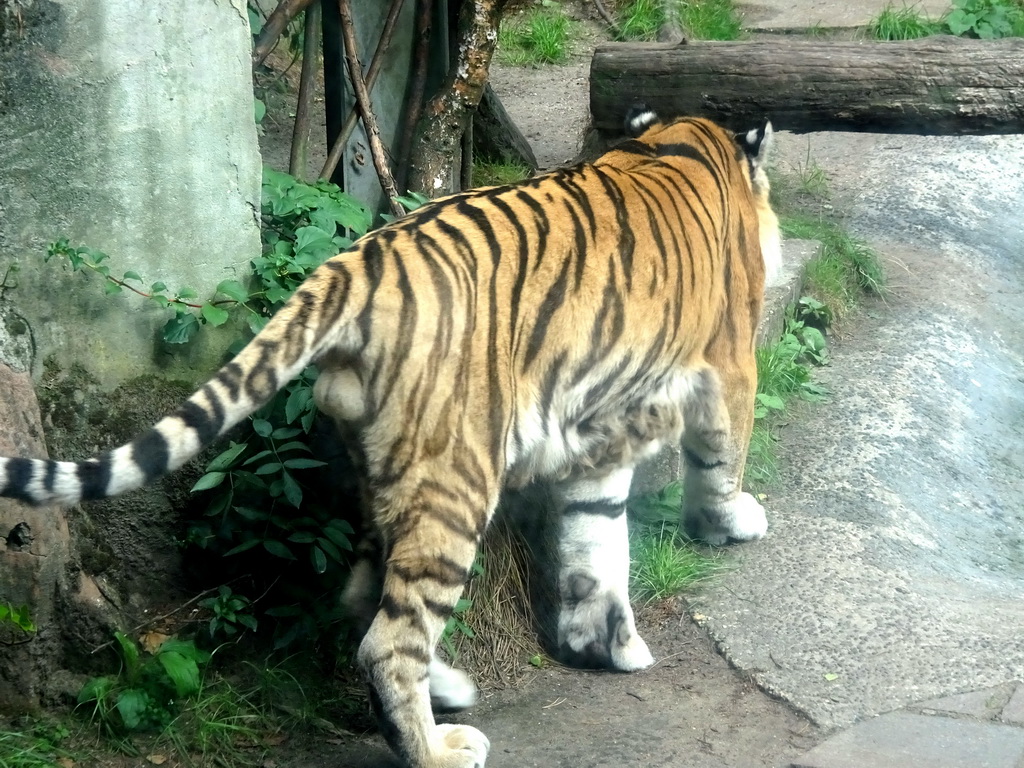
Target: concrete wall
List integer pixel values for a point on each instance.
(126, 125)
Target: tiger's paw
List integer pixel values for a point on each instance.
(458, 746)
(741, 519)
(450, 689)
(596, 629)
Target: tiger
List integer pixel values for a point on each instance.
(558, 329)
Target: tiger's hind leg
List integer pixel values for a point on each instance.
(431, 532)
(595, 623)
(719, 416)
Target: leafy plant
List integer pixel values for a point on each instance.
(147, 692)
(230, 612)
(539, 36)
(19, 617)
(456, 626)
(985, 19)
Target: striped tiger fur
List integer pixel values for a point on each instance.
(560, 328)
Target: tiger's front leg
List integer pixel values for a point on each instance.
(719, 416)
(595, 622)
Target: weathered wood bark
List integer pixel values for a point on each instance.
(938, 85)
(432, 170)
(496, 137)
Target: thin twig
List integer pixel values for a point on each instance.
(606, 16)
(355, 73)
(298, 160)
(274, 26)
(370, 77)
(155, 619)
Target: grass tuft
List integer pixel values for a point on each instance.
(663, 562)
(702, 19)
(488, 173)
(539, 36)
(38, 747)
(904, 23)
(711, 20)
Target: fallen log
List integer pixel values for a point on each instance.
(934, 86)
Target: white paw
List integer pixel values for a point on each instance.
(596, 628)
(458, 746)
(742, 519)
(450, 688)
(632, 655)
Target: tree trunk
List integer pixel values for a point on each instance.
(432, 167)
(496, 137)
(937, 85)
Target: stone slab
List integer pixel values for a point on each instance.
(1013, 712)
(983, 704)
(904, 740)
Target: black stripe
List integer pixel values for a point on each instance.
(441, 569)
(605, 507)
(51, 475)
(627, 240)
(150, 452)
(697, 462)
(439, 609)
(229, 377)
(552, 301)
(19, 475)
(94, 477)
(635, 147)
(197, 418)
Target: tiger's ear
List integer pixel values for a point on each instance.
(757, 143)
(639, 118)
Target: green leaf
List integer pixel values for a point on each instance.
(774, 402)
(338, 537)
(245, 545)
(247, 621)
(180, 328)
(262, 427)
(285, 433)
(209, 480)
(257, 457)
(304, 463)
(157, 287)
(248, 513)
(187, 293)
(130, 275)
(302, 537)
(292, 491)
(131, 705)
(297, 401)
(129, 652)
(319, 559)
(259, 110)
(214, 315)
(226, 458)
(233, 290)
(256, 322)
(183, 672)
(267, 469)
(110, 288)
(329, 548)
(278, 549)
(95, 689)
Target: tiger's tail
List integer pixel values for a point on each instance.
(320, 315)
